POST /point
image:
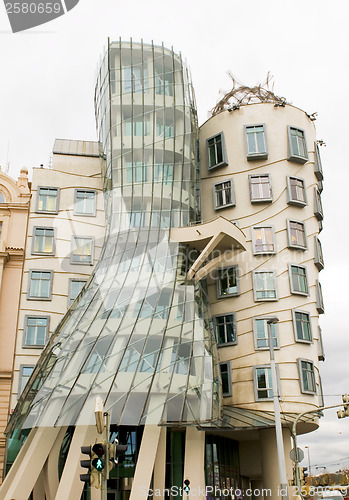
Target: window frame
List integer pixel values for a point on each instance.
(215, 325)
(20, 389)
(320, 307)
(255, 338)
(301, 378)
(83, 214)
(292, 156)
(73, 238)
(318, 254)
(224, 161)
(25, 344)
(320, 346)
(71, 280)
(31, 271)
(230, 391)
(33, 252)
(290, 275)
(263, 252)
(289, 240)
(232, 203)
(318, 171)
(293, 201)
(220, 270)
(255, 382)
(260, 155)
(55, 211)
(295, 331)
(318, 210)
(264, 299)
(260, 200)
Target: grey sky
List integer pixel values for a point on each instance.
(47, 88)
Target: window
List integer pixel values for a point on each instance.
(163, 82)
(296, 194)
(43, 241)
(260, 188)
(163, 173)
(228, 282)
(35, 331)
(136, 172)
(264, 285)
(318, 211)
(302, 326)
(319, 299)
(296, 234)
(223, 194)
(216, 155)
(2, 198)
(24, 375)
(297, 147)
(317, 164)
(0, 228)
(164, 128)
(263, 240)
(82, 250)
(47, 200)
(298, 279)
(136, 127)
(75, 287)
(306, 376)
(40, 285)
(318, 255)
(85, 202)
(263, 383)
(135, 79)
(225, 328)
(320, 346)
(225, 369)
(260, 332)
(256, 144)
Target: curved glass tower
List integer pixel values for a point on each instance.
(139, 336)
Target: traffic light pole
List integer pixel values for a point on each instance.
(105, 472)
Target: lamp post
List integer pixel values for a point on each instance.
(278, 427)
(308, 460)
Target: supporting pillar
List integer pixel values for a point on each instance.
(70, 487)
(271, 479)
(257, 490)
(194, 461)
(39, 488)
(160, 465)
(25, 471)
(145, 462)
(51, 479)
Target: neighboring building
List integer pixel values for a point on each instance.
(14, 208)
(171, 329)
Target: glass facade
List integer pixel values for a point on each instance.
(139, 335)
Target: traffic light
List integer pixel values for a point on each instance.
(119, 449)
(345, 412)
(90, 476)
(186, 486)
(305, 472)
(98, 461)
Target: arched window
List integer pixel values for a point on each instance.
(2, 198)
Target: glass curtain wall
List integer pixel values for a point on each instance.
(139, 334)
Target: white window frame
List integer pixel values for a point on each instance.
(296, 201)
(270, 382)
(294, 155)
(25, 343)
(301, 377)
(258, 155)
(317, 163)
(219, 272)
(94, 208)
(34, 236)
(263, 252)
(222, 344)
(296, 245)
(39, 188)
(224, 161)
(71, 280)
(254, 279)
(319, 298)
(232, 194)
(268, 199)
(295, 330)
(21, 387)
(74, 246)
(274, 326)
(290, 275)
(318, 210)
(228, 363)
(34, 297)
(318, 254)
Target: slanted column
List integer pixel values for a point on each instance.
(194, 461)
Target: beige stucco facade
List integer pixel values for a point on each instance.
(14, 206)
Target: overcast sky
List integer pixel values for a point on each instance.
(47, 88)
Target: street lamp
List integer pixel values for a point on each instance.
(308, 459)
(278, 427)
